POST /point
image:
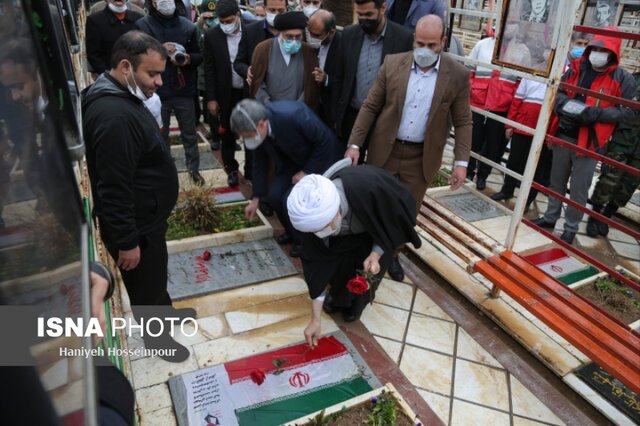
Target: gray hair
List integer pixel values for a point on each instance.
(246, 115)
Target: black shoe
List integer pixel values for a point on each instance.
(296, 250)
(238, 147)
(603, 229)
(284, 238)
(215, 145)
(196, 178)
(348, 315)
(209, 135)
(542, 223)
(481, 184)
(395, 270)
(327, 305)
(266, 209)
(593, 228)
(499, 196)
(233, 180)
(568, 236)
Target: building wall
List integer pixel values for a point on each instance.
(343, 9)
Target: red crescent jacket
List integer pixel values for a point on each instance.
(526, 104)
(492, 91)
(614, 81)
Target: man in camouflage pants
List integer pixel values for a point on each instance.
(615, 187)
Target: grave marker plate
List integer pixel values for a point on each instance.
(470, 207)
(635, 199)
(230, 266)
(297, 381)
(207, 160)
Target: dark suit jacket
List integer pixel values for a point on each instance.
(252, 35)
(396, 39)
(102, 30)
(217, 68)
(330, 68)
(298, 140)
(382, 111)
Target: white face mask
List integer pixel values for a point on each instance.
(118, 9)
(137, 92)
(424, 56)
(333, 228)
(314, 42)
(251, 142)
(598, 59)
(166, 7)
(271, 17)
(229, 28)
(308, 10)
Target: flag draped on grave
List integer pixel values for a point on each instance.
(297, 381)
(561, 266)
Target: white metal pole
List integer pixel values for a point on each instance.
(566, 16)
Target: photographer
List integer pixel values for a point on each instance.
(587, 122)
(179, 80)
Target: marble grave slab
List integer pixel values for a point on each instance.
(470, 207)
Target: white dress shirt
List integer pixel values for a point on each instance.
(233, 40)
(417, 103)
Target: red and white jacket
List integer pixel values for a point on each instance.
(490, 90)
(526, 104)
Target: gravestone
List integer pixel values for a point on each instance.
(207, 160)
(230, 266)
(470, 207)
(296, 381)
(635, 199)
(611, 389)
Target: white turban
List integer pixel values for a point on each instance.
(313, 203)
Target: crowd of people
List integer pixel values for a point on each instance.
(302, 95)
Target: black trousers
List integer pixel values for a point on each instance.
(518, 157)
(279, 190)
(229, 139)
(488, 140)
(349, 120)
(147, 283)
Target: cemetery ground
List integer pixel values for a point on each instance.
(455, 355)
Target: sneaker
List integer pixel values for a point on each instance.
(593, 228)
(233, 180)
(542, 223)
(196, 178)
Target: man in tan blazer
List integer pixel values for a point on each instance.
(407, 112)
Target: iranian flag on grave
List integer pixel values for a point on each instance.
(297, 381)
(227, 195)
(557, 263)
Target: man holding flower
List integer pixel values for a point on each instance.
(352, 221)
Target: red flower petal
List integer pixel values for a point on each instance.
(257, 377)
(206, 255)
(221, 131)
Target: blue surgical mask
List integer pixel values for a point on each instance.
(291, 46)
(577, 52)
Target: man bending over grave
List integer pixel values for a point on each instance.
(352, 221)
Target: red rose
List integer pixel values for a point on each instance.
(222, 131)
(257, 376)
(206, 255)
(358, 285)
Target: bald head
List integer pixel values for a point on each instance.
(430, 33)
(322, 24)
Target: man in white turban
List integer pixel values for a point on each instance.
(351, 221)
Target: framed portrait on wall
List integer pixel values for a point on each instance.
(471, 23)
(601, 13)
(525, 40)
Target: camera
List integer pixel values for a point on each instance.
(178, 54)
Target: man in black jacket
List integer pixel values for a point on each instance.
(224, 85)
(254, 34)
(102, 30)
(180, 76)
(363, 48)
(133, 177)
(324, 37)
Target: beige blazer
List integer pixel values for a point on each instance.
(382, 112)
